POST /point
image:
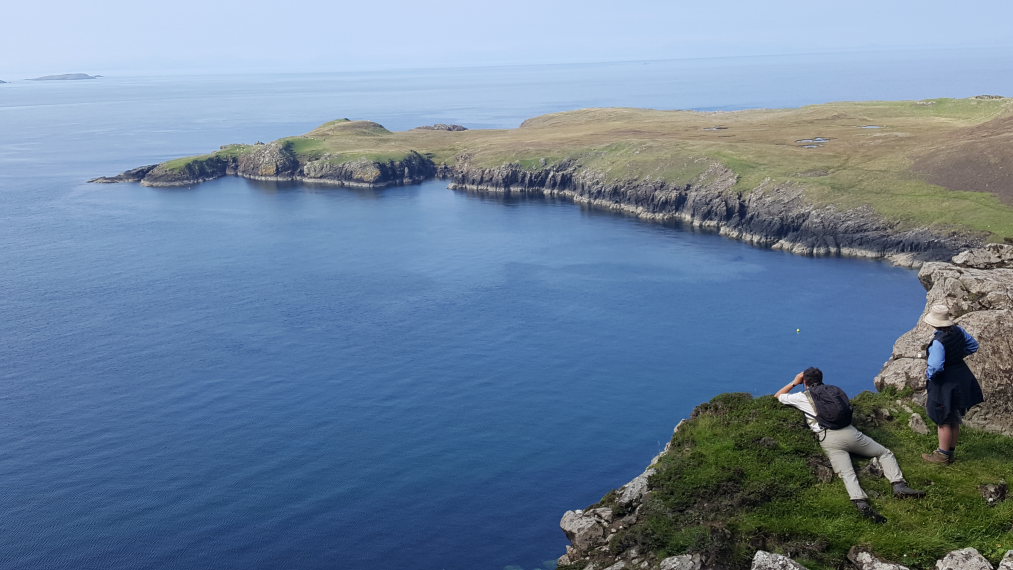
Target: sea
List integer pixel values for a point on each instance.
(252, 375)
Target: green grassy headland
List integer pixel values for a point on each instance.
(903, 159)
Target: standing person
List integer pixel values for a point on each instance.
(952, 388)
(840, 442)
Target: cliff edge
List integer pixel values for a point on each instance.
(977, 285)
(853, 179)
(742, 484)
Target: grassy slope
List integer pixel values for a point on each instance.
(858, 166)
(722, 488)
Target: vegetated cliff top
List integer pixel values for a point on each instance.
(936, 163)
(743, 475)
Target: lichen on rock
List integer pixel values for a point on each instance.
(977, 286)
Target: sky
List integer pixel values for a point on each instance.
(116, 36)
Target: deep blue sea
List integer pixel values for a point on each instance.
(258, 376)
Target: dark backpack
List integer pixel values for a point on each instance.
(833, 408)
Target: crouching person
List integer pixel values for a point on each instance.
(828, 413)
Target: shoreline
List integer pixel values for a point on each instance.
(770, 216)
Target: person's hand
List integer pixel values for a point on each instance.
(798, 379)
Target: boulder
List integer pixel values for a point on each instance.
(633, 492)
(917, 424)
(864, 559)
(586, 529)
(764, 560)
(1007, 561)
(682, 562)
(964, 559)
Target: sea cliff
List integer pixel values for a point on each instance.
(977, 285)
(762, 176)
(771, 215)
(277, 161)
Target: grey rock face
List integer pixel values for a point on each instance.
(764, 560)
(634, 491)
(274, 161)
(775, 216)
(194, 172)
(991, 256)
(682, 562)
(132, 175)
(978, 288)
(1007, 561)
(586, 529)
(964, 559)
(413, 169)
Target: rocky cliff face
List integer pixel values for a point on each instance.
(193, 172)
(775, 216)
(273, 161)
(412, 169)
(277, 161)
(977, 285)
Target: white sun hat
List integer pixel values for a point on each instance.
(939, 316)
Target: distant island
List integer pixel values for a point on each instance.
(905, 181)
(65, 77)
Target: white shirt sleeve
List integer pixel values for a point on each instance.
(800, 401)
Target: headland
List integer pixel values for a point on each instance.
(879, 180)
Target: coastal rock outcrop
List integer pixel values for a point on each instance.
(191, 172)
(277, 161)
(977, 285)
(273, 161)
(132, 175)
(770, 215)
(411, 169)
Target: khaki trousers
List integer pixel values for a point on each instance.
(839, 444)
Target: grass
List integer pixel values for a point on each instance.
(738, 478)
(857, 167)
(181, 163)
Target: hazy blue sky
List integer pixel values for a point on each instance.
(107, 36)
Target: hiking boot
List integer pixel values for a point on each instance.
(902, 491)
(867, 511)
(938, 457)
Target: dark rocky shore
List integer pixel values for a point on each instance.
(770, 215)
